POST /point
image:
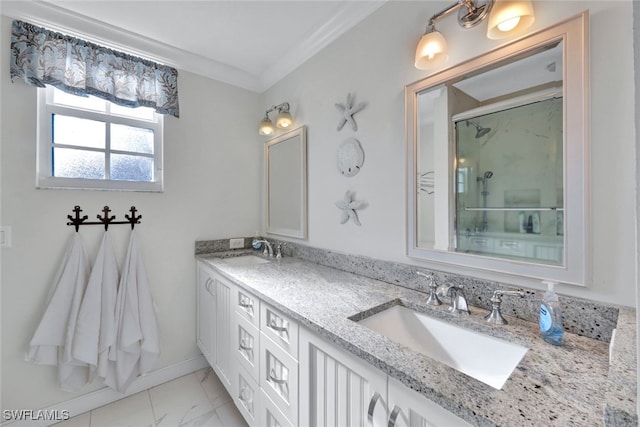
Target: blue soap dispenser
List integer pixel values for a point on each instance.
(551, 329)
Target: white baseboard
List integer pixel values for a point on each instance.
(104, 396)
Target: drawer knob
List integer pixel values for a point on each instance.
(246, 395)
(273, 377)
(243, 345)
(273, 325)
(393, 418)
(208, 286)
(281, 383)
(246, 303)
(372, 406)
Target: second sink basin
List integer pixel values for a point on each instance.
(483, 357)
(245, 260)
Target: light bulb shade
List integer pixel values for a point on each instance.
(509, 18)
(431, 51)
(266, 127)
(284, 120)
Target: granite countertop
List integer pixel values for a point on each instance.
(552, 386)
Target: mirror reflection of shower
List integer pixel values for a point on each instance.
(485, 192)
(480, 131)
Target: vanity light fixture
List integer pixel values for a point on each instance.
(506, 18)
(509, 18)
(283, 119)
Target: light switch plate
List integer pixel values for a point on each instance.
(5, 237)
(236, 243)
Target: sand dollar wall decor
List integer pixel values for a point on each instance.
(350, 157)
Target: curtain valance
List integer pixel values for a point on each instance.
(40, 57)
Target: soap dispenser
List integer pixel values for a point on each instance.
(256, 244)
(551, 329)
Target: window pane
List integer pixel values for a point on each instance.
(131, 168)
(76, 131)
(128, 138)
(89, 102)
(70, 163)
(144, 113)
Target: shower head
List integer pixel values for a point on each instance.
(480, 131)
(485, 176)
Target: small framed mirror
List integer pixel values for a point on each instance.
(286, 184)
(497, 151)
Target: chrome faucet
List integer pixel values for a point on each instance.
(459, 304)
(433, 296)
(495, 317)
(279, 250)
(268, 248)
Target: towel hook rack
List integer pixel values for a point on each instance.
(105, 218)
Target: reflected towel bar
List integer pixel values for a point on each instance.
(514, 209)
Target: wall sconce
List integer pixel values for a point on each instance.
(283, 119)
(506, 19)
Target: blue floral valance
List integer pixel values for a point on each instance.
(41, 57)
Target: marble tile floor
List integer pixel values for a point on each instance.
(195, 400)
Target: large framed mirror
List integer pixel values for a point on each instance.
(497, 159)
(286, 184)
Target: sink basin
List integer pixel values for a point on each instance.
(245, 260)
(483, 357)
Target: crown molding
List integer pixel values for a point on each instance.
(62, 20)
(350, 14)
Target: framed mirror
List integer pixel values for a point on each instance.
(286, 184)
(497, 156)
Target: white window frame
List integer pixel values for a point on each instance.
(44, 177)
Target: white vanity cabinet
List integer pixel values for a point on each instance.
(224, 312)
(281, 374)
(408, 408)
(206, 312)
(337, 388)
(214, 317)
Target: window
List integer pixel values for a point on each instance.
(90, 143)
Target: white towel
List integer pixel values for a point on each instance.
(52, 342)
(137, 346)
(96, 327)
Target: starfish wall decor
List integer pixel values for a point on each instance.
(347, 110)
(349, 208)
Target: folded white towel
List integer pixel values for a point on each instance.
(96, 327)
(137, 346)
(53, 340)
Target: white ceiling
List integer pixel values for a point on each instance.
(250, 44)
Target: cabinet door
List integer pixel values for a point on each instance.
(337, 388)
(205, 307)
(411, 409)
(224, 327)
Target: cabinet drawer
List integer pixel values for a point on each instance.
(280, 328)
(510, 247)
(480, 244)
(279, 377)
(245, 345)
(248, 306)
(548, 252)
(246, 395)
(270, 415)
